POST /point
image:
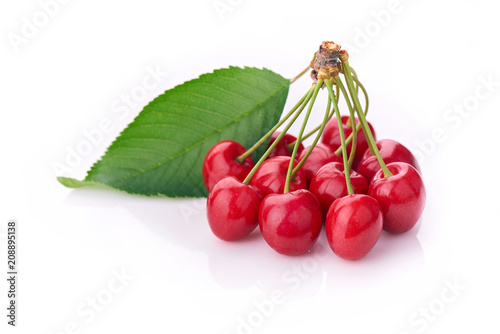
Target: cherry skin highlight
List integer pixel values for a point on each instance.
(220, 162)
(291, 222)
(329, 184)
(281, 148)
(270, 178)
(233, 209)
(320, 155)
(353, 226)
(331, 137)
(391, 151)
(401, 196)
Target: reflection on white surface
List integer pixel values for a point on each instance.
(249, 268)
(251, 262)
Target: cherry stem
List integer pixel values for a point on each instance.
(363, 89)
(352, 119)
(313, 131)
(365, 93)
(355, 99)
(281, 135)
(252, 149)
(317, 87)
(316, 139)
(347, 169)
(358, 127)
(362, 119)
(354, 75)
(299, 75)
(355, 129)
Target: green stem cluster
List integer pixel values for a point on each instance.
(299, 136)
(297, 111)
(362, 120)
(351, 118)
(347, 169)
(356, 129)
(261, 141)
(351, 93)
(316, 139)
(313, 131)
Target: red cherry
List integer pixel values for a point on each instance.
(401, 196)
(291, 222)
(331, 137)
(391, 151)
(353, 226)
(320, 155)
(220, 162)
(281, 148)
(233, 209)
(329, 184)
(270, 178)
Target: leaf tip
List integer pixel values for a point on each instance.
(72, 183)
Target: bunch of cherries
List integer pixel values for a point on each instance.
(354, 185)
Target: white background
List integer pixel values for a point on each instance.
(422, 63)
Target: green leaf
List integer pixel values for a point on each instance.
(161, 152)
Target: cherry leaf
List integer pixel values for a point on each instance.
(161, 152)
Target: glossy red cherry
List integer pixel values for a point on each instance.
(291, 222)
(353, 226)
(281, 148)
(233, 209)
(391, 151)
(320, 155)
(329, 184)
(401, 196)
(220, 162)
(270, 178)
(331, 137)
